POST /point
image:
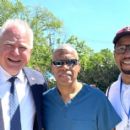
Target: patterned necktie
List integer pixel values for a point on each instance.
(14, 107)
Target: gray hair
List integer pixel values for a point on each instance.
(66, 46)
(21, 24)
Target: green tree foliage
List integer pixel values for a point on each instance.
(41, 58)
(9, 9)
(46, 27)
(101, 69)
(83, 50)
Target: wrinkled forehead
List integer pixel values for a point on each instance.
(14, 35)
(65, 53)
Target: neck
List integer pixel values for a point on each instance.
(126, 78)
(69, 92)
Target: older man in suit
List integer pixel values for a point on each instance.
(16, 43)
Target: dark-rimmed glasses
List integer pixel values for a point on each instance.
(122, 49)
(68, 62)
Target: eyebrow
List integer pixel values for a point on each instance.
(12, 42)
(8, 41)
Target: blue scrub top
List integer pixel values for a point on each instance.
(88, 110)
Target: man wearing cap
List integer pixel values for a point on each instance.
(119, 91)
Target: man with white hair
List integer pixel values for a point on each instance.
(16, 44)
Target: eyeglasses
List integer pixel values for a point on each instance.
(122, 49)
(69, 62)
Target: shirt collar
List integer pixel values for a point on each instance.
(21, 76)
(4, 76)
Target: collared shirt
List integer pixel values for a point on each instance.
(27, 108)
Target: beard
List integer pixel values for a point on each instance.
(126, 71)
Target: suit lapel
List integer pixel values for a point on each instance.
(30, 77)
(33, 77)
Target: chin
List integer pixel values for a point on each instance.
(14, 71)
(126, 72)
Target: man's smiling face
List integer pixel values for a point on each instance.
(14, 50)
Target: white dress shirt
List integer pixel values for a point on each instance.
(120, 101)
(27, 108)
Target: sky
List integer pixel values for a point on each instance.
(93, 21)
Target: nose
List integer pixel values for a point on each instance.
(65, 66)
(127, 52)
(16, 51)
(128, 49)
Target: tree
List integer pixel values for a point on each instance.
(101, 69)
(41, 58)
(83, 50)
(45, 26)
(9, 9)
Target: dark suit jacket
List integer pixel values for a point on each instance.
(38, 85)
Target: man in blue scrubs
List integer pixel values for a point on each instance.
(73, 105)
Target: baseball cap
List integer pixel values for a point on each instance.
(123, 32)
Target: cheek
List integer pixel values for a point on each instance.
(53, 70)
(26, 56)
(4, 54)
(77, 69)
(117, 59)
